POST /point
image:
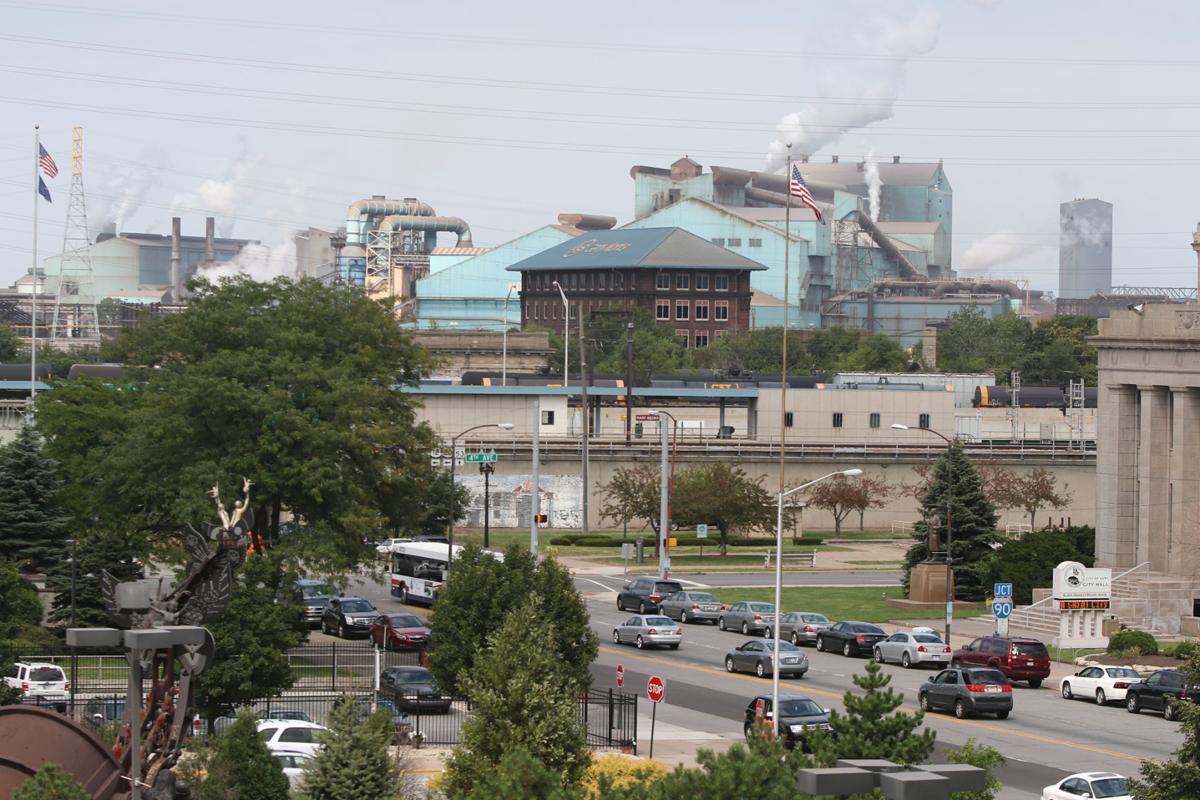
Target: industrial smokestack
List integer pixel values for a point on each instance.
(176, 276)
(210, 225)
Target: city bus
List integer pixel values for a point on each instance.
(418, 569)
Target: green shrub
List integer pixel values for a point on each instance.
(1185, 649)
(1141, 641)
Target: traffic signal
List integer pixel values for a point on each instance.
(540, 519)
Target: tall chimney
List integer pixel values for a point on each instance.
(210, 224)
(176, 276)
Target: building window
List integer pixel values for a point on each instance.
(874, 419)
(701, 309)
(734, 243)
(755, 242)
(719, 242)
(702, 283)
(683, 281)
(682, 333)
(601, 280)
(573, 280)
(701, 339)
(681, 310)
(547, 417)
(662, 280)
(923, 421)
(619, 281)
(721, 283)
(837, 419)
(662, 309)
(529, 311)
(787, 419)
(721, 310)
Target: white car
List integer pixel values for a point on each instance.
(1100, 785)
(1104, 684)
(39, 681)
(291, 736)
(293, 763)
(385, 547)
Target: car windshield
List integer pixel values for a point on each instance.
(405, 621)
(1123, 672)
(1029, 649)
(46, 674)
(658, 621)
(308, 592)
(357, 606)
(762, 607)
(785, 645)
(926, 638)
(819, 618)
(867, 629)
(986, 676)
(413, 676)
(1110, 787)
(702, 597)
(667, 588)
(800, 708)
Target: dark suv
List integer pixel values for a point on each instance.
(801, 716)
(644, 594)
(1019, 659)
(1160, 692)
(348, 615)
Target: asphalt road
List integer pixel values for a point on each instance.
(766, 577)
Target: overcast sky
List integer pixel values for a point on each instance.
(276, 115)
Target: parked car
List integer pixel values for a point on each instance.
(293, 714)
(645, 593)
(293, 764)
(967, 691)
(413, 689)
(1018, 658)
(291, 736)
(757, 656)
(39, 682)
(1106, 785)
(1160, 692)
(1103, 683)
(850, 638)
(312, 596)
(691, 607)
(401, 722)
(348, 615)
(798, 715)
(913, 648)
(399, 632)
(748, 618)
(648, 631)
(802, 627)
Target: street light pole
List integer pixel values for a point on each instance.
(949, 526)
(504, 426)
(780, 497)
(566, 329)
(504, 352)
(664, 498)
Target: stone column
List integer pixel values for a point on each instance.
(1116, 476)
(1154, 474)
(1184, 550)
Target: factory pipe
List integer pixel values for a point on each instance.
(907, 270)
(779, 183)
(587, 222)
(176, 272)
(428, 224)
(210, 226)
(360, 212)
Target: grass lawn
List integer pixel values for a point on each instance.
(500, 539)
(863, 603)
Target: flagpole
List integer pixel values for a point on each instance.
(787, 236)
(37, 158)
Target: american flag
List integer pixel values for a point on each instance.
(47, 162)
(800, 191)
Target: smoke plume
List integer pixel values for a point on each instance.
(259, 261)
(874, 86)
(218, 198)
(874, 184)
(122, 195)
(995, 250)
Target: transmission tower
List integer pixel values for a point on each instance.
(75, 320)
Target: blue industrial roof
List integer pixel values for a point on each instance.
(649, 248)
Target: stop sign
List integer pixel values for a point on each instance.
(655, 689)
(760, 706)
(620, 675)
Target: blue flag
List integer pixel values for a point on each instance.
(43, 191)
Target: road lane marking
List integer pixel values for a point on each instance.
(598, 583)
(990, 727)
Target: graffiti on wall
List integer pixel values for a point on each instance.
(511, 500)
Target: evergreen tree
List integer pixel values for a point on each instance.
(1179, 777)
(763, 769)
(240, 767)
(522, 693)
(873, 725)
(520, 776)
(32, 524)
(51, 782)
(96, 551)
(956, 491)
(354, 761)
(20, 608)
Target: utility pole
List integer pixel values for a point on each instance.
(628, 382)
(586, 417)
(534, 493)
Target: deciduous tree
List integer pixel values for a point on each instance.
(632, 494)
(51, 782)
(1180, 776)
(32, 523)
(718, 494)
(988, 759)
(1031, 492)
(841, 495)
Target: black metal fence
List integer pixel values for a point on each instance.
(610, 719)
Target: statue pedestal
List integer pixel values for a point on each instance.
(926, 589)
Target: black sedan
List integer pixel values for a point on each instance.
(850, 638)
(799, 716)
(1162, 691)
(967, 691)
(414, 690)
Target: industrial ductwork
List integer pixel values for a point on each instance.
(587, 222)
(907, 270)
(361, 212)
(779, 183)
(403, 222)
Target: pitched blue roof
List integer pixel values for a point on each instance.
(625, 248)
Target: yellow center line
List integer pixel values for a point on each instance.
(991, 727)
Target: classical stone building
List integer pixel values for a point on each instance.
(1148, 462)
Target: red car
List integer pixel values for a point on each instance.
(1019, 659)
(400, 632)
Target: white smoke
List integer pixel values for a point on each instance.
(874, 184)
(258, 261)
(122, 195)
(875, 86)
(995, 250)
(218, 198)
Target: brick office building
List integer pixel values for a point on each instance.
(698, 289)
